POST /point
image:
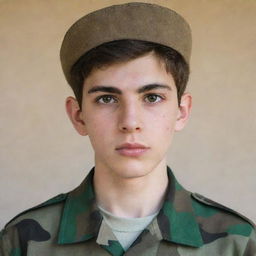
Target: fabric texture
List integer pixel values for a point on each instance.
(71, 224)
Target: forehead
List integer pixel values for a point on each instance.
(137, 72)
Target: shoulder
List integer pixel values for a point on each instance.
(208, 207)
(39, 223)
(40, 212)
(216, 220)
(209, 202)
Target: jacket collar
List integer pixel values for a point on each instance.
(176, 219)
(81, 219)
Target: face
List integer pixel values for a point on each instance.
(130, 112)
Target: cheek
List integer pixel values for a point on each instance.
(166, 122)
(100, 128)
(98, 138)
(93, 119)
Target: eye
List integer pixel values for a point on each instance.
(153, 98)
(106, 99)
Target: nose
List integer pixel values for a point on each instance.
(129, 118)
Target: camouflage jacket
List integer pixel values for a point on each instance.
(70, 224)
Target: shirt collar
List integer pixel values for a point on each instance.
(81, 219)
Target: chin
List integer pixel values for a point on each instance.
(132, 170)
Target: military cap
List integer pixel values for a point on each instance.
(137, 21)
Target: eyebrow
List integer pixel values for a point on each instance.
(150, 87)
(115, 90)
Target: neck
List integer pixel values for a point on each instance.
(131, 197)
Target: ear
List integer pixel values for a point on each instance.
(75, 115)
(184, 111)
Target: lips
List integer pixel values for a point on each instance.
(132, 149)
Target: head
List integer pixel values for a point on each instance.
(129, 81)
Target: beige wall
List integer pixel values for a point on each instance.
(40, 153)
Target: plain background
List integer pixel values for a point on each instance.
(41, 155)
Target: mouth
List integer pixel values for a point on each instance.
(132, 149)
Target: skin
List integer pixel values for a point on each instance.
(130, 102)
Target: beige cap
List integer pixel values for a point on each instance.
(138, 21)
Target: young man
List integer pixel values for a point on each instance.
(128, 66)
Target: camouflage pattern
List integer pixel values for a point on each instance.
(70, 224)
